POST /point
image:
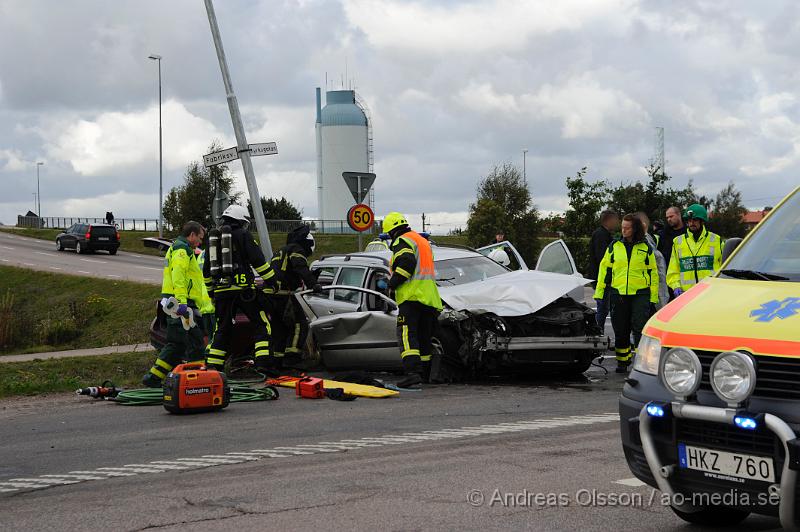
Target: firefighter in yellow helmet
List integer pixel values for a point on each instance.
(414, 284)
(696, 254)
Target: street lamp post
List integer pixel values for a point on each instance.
(39, 194)
(155, 57)
(524, 172)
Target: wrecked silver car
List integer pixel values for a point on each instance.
(495, 320)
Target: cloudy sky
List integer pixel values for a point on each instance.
(454, 87)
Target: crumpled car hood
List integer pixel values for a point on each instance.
(511, 294)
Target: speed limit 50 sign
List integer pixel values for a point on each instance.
(360, 217)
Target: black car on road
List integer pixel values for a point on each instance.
(87, 238)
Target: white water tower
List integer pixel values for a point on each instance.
(344, 144)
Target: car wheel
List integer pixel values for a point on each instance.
(59, 247)
(79, 248)
(713, 516)
(112, 251)
(578, 368)
(446, 365)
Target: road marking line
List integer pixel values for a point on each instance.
(293, 450)
(54, 268)
(158, 466)
(22, 484)
(28, 264)
(319, 448)
(194, 464)
(106, 473)
(4, 260)
(79, 477)
(228, 457)
(268, 453)
(113, 276)
(632, 482)
(45, 482)
(210, 460)
(42, 253)
(96, 261)
(87, 273)
(7, 247)
(148, 268)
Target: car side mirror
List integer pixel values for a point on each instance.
(730, 245)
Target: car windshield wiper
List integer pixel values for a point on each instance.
(753, 275)
(446, 279)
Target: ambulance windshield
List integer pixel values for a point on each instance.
(774, 249)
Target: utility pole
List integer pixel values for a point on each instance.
(241, 140)
(423, 222)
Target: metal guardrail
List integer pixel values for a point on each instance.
(54, 222)
(331, 227)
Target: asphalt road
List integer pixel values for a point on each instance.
(42, 255)
(541, 455)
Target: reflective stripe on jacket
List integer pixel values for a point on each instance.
(421, 283)
(693, 260)
(182, 276)
(628, 277)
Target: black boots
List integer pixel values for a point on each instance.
(412, 367)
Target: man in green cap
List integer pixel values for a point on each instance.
(696, 254)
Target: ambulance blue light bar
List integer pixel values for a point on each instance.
(656, 410)
(746, 423)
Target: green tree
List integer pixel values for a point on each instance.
(653, 197)
(586, 200)
(504, 204)
(192, 200)
(277, 209)
(727, 217)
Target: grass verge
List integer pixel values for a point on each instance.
(129, 240)
(44, 311)
(69, 374)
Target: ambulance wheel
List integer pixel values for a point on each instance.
(112, 251)
(713, 516)
(79, 249)
(59, 247)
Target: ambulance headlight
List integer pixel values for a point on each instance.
(648, 355)
(681, 371)
(733, 377)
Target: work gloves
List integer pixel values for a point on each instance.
(183, 310)
(382, 285)
(677, 291)
(317, 289)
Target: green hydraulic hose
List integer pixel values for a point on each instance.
(155, 396)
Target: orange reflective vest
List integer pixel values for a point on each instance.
(421, 283)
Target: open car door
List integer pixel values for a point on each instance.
(556, 258)
(517, 262)
(364, 339)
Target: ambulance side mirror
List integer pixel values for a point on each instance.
(730, 245)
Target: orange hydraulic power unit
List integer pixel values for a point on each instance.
(191, 388)
(310, 388)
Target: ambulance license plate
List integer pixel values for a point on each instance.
(719, 464)
(102, 238)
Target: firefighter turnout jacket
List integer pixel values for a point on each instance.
(246, 257)
(182, 277)
(693, 259)
(290, 265)
(625, 274)
(413, 275)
